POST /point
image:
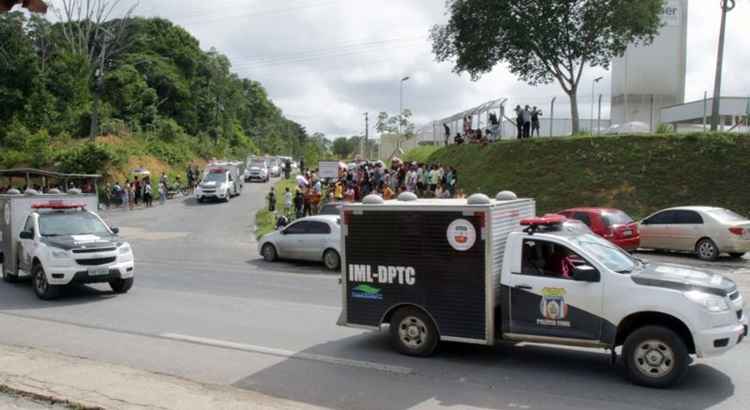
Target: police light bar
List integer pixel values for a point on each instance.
(218, 170)
(546, 220)
(57, 205)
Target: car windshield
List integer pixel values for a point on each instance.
(71, 223)
(259, 164)
(617, 218)
(215, 177)
(726, 215)
(611, 256)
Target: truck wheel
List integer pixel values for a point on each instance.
(42, 288)
(655, 357)
(331, 259)
(121, 285)
(707, 249)
(413, 333)
(8, 277)
(269, 252)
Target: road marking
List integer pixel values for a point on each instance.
(290, 354)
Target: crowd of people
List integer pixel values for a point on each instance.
(136, 192)
(527, 123)
(364, 178)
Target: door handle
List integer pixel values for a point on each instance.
(524, 287)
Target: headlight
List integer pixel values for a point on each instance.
(713, 303)
(59, 254)
(124, 249)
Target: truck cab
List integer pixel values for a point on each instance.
(218, 183)
(486, 271)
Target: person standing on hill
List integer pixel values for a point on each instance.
(535, 114)
(526, 117)
(271, 201)
(519, 122)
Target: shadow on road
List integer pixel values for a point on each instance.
(691, 259)
(288, 266)
(465, 375)
(20, 295)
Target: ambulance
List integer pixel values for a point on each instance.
(486, 271)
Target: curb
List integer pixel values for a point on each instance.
(6, 389)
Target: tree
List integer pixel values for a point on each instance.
(387, 124)
(342, 147)
(542, 40)
(91, 32)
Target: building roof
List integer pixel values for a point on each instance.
(696, 110)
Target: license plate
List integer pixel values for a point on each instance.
(627, 233)
(98, 271)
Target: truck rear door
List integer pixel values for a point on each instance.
(545, 300)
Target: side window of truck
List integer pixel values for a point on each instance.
(29, 226)
(548, 259)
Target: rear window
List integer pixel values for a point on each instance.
(726, 215)
(616, 218)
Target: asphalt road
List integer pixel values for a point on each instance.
(206, 307)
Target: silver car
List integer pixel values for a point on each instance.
(707, 231)
(314, 238)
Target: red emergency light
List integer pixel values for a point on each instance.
(57, 205)
(218, 170)
(547, 222)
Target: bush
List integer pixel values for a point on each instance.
(88, 158)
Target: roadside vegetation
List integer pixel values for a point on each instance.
(639, 174)
(160, 100)
(265, 221)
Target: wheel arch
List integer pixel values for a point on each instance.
(649, 318)
(386, 318)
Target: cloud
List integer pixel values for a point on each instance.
(325, 62)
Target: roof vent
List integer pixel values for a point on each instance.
(506, 196)
(407, 196)
(30, 191)
(478, 199)
(74, 191)
(372, 199)
(13, 191)
(54, 191)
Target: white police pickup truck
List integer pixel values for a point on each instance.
(58, 242)
(484, 271)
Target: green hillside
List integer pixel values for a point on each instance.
(639, 174)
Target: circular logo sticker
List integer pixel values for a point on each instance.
(461, 235)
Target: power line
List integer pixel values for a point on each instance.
(263, 12)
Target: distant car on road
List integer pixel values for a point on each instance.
(706, 231)
(257, 170)
(612, 224)
(331, 208)
(314, 238)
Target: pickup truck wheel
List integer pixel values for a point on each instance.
(332, 260)
(413, 333)
(655, 357)
(121, 285)
(8, 277)
(269, 252)
(707, 249)
(42, 288)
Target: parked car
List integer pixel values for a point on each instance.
(331, 208)
(313, 238)
(612, 224)
(707, 231)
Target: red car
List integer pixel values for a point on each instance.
(613, 225)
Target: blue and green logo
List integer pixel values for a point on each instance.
(367, 292)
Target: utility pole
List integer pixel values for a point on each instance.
(593, 86)
(599, 117)
(366, 151)
(552, 115)
(726, 7)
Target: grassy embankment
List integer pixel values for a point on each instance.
(265, 221)
(639, 174)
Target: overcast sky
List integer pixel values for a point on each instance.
(325, 62)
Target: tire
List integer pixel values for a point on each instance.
(121, 286)
(332, 260)
(42, 288)
(10, 278)
(200, 200)
(707, 250)
(655, 356)
(268, 251)
(413, 333)
(736, 255)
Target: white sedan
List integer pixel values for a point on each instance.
(314, 238)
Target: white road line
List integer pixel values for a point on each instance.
(290, 354)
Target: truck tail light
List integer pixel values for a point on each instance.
(480, 218)
(347, 217)
(736, 230)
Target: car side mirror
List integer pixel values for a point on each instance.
(115, 230)
(26, 235)
(586, 273)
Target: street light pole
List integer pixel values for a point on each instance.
(726, 6)
(593, 85)
(401, 103)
